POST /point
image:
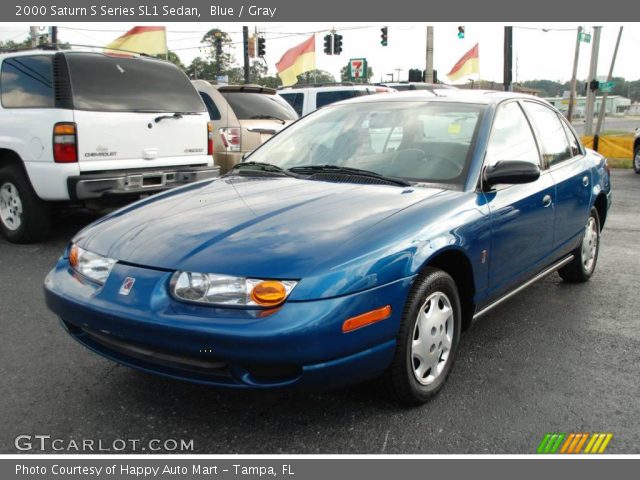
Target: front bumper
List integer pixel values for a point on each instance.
(133, 182)
(300, 344)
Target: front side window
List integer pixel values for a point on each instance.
(27, 82)
(296, 100)
(511, 137)
(553, 139)
(418, 141)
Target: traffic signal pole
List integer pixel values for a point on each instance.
(508, 59)
(429, 64)
(245, 42)
(572, 93)
(593, 71)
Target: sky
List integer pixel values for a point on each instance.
(540, 50)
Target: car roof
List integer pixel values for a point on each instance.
(248, 88)
(483, 97)
(325, 87)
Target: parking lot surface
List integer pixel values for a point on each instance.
(555, 358)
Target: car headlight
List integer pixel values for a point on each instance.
(216, 289)
(91, 265)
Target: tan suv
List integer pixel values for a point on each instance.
(243, 117)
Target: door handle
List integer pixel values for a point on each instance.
(585, 181)
(547, 201)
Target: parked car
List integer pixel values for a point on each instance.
(244, 117)
(636, 152)
(328, 258)
(87, 128)
(308, 98)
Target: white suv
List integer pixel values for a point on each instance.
(89, 128)
(306, 98)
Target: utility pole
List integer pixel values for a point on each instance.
(54, 35)
(398, 70)
(572, 93)
(593, 71)
(603, 102)
(429, 67)
(245, 42)
(508, 59)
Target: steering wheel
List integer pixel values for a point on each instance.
(416, 154)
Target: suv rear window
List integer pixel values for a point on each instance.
(326, 98)
(27, 82)
(118, 84)
(249, 105)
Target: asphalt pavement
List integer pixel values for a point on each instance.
(555, 358)
(617, 124)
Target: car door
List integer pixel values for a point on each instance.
(570, 170)
(521, 216)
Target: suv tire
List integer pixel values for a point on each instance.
(636, 158)
(24, 218)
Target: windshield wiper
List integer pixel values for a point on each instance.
(263, 167)
(312, 169)
(176, 115)
(267, 117)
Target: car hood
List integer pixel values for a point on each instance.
(267, 227)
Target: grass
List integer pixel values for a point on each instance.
(620, 162)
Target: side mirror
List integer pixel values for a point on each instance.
(510, 172)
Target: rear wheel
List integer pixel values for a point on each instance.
(636, 159)
(586, 255)
(428, 339)
(24, 218)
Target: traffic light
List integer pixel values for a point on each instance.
(252, 47)
(461, 32)
(328, 44)
(435, 76)
(262, 46)
(384, 36)
(337, 44)
(594, 85)
(218, 45)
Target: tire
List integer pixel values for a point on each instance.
(585, 259)
(425, 336)
(636, 159)
(24, 218)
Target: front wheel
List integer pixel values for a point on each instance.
(428, 339)
(586, 255)
(636, 159)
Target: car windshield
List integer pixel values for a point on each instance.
(415, 141)
(249, 105)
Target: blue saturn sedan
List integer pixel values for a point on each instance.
(357, 243)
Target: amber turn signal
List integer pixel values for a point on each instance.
(269, 293)
(73, 256)
(366, 319)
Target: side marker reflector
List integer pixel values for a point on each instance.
(365, 319)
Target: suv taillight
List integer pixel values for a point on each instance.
(209, 138)
(65, 143)
(231, 138)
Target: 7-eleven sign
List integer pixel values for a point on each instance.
(357, 68)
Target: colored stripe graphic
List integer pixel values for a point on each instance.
(572, 443)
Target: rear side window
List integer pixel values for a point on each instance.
(296, 100)
(327, 98)
(249, 106)
(27, 82)
(553, 140)
(214, 113)
(117, 84)
(573, 141)
(511, 137)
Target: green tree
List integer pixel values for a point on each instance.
(222, 62)
(316, 76)
(201, 69)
